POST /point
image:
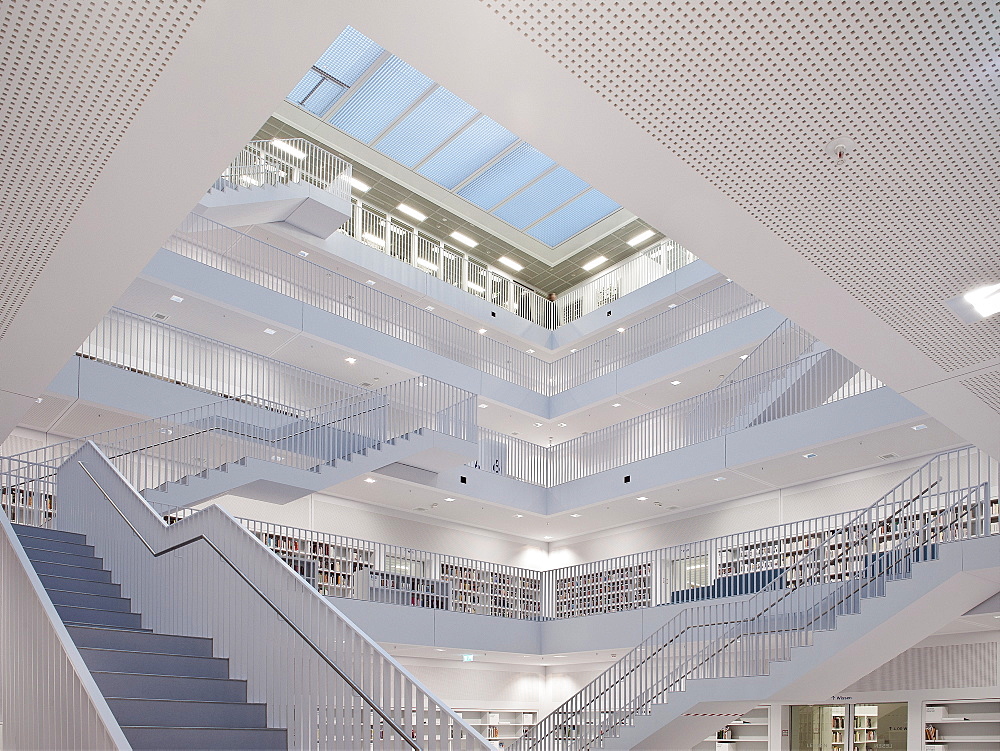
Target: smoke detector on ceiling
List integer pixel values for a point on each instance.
(839, 148)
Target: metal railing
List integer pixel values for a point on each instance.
(402, 240)
(253, 260)
(282, 161)
(945, 500)
(169, 449)
(805, 384)
(322, 679)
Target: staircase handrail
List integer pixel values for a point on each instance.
(281, 161)
(625, 670)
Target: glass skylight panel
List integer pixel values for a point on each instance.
(575, 217)
(391, 90)
(540, 198)
(510, 174)
(467, 152)
(350, 55)
(430, 124)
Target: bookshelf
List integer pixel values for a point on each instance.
(329, 567)
(965, 725)
(748, 733)
(500, 728)
(623, 588)
(402, 589)
(475, 590)
(865, 727)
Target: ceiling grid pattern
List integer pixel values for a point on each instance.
(81, 88)
(749, 93)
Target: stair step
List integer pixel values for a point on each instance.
(29, 540)
(180, 713)
(206, 739)
(74, 614)
(66, 584)
(71, 572)
(54, 556)
(154, 663)
(52, 534)
(140, 641)
(87, 600)
(147, 686)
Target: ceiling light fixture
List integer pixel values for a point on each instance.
(562, 425)
(744, 357)
(617, 404)
(360, 186)
(620, 329)
(594, 263)
(530, 351)
(464, 239)
(642, 498)
(810, 455)
(672, 305)
(369, 480)
(350, 360)
(475, 287)
(288, 148)
(370, 281)
(919, 427)
(720, 479)
(429, 307)
(270, 332)
(675, 383)
(518, 516)
(576, 516)
(483, 406)
(641, 237)
(373, 239)
(176, 298)
(538, 424)
(510, 263)
(412, 212)
(482, 331)
(985, 300)
(449, 500)
(429, 265)
(547, 537)
(572, 351)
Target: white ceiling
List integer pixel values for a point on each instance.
(712, 120)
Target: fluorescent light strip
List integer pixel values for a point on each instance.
(427, 264)
(288, 148)
(373, 239)
(510, 263)
(594, 263)
(641, 237)
(412, 212)
(360, 186)
(985, 300)
(464, 239)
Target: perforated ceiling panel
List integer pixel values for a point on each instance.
(74, 75)
(750, 93)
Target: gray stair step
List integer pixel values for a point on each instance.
(84, 586)
(63, 546)
(52, 534)
(54, 556)
(74, 614)
(87, 600)
(72, 572)
(146, 686)
(206, 739)
(154, 663)
(179, 713)
(140, 641)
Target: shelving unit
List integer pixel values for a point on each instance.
(865, 727)
(329, 568)
(624, 588)
(402, 589)
(748, 733)
(490, 593)
(501, 728)
(962, 725)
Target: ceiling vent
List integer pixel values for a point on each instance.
(160, 316)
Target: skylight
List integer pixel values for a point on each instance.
(386, 103)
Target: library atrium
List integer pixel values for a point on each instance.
(543, 375)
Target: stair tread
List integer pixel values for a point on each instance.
(161, 654)
(190, 701)
(165, 675)
(99, 627)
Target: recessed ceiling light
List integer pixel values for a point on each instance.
(518, 516)
(562, 425)
(538, 424)
(985, 300)
(594, 263)
(374, 239)
(620, 329)
(464, 239)
(176, 298)
(439, 650)
(530, 351)
(475, 287)
(547, 537)
(370, 281)
(369, 480)
(642, 236)
(920, 427)
(483, 406)
(675, 383)
(412, 212)
(572, 351)
(304, 253)
(744, 357)
(425, 264)
(720, 479)
(429, 307)
(482, 331)
(350, 360)
(449, 500)
(810, 455)
(576, 516)
(558, 657)
(288, 148)
(510, 263)
(360, 186)
(272, 332)
(617, 404)
(642, 498)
